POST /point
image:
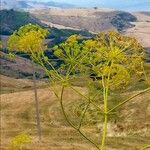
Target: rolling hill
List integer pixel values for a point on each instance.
(12, 20)
(91, 19)
(136, 24)
(11, 85)
(18, 67)
(79, 22)
(66, 22)
(141, 29)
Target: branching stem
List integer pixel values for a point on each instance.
(125, 101)
(71, 124)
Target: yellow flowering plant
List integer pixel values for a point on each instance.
(19, 141)
(113, 60)
(30, 39)
(106, 62)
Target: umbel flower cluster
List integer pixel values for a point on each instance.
(107, 62)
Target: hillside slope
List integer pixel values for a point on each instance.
(12, 20)
(141, 30)
(10, 85)
(91, 19)
(18, 67)
(18, 116)
(97, 20)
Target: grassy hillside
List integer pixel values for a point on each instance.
(129, 128)
(18, 67)
(12, 20)
(18, 116)
(141, 30)
(91, 19)
(11, 85)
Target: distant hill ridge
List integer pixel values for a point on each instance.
(12, 20)
(91, 19)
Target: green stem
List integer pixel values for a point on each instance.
(101, 111)
(125, 101)
(104, 132)
(71, 124)
(146, 147)
(105, 94)
(53, 68)
(79, 62)
(63, 110)
(83, 114)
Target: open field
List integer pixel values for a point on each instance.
(18, 116)
(10, 85)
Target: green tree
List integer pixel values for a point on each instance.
(30, 39)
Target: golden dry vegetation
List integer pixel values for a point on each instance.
(18, 116)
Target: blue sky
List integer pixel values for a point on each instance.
(117, 4)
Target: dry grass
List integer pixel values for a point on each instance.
(18, 116)
(141, 30)
(10, 85)
(94, 20)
